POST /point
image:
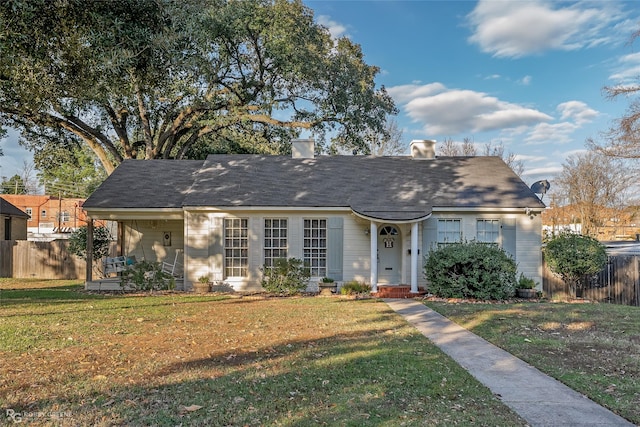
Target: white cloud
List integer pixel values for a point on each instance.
(556, 133)
(518, 28)
(444, 111)
(627, 69)
(336, 29)
(525, 81)
(577, 111)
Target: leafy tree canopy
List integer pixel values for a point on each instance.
(153, 78)
(68, 168)
(13, 185)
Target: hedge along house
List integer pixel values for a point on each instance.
(364, 218)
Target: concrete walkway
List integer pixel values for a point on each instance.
(536, 397)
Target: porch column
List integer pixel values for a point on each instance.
(373, 235)
(89, 271)
(414, 257)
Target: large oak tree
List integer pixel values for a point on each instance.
(171, 79)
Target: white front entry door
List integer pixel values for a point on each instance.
(389, 255)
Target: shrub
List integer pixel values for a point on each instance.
(354, 288)
(147, 276)
(470, 270)
(286, 276)
(573, 256)
(526, 282)
(78, 242)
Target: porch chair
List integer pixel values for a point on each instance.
(174, 269)
(114, 265)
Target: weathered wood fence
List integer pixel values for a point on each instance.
(617, 283)
(22, 259)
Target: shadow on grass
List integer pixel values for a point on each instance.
(370, 378)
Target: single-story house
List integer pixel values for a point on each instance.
(14, 222)
(365, 218)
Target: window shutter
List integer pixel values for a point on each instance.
(335, 248)
(509, 236)
(429, 234)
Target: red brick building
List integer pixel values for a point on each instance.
(49, 214)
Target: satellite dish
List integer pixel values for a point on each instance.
(541, 187)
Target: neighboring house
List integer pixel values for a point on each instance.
(49, 216)
(364, 218)
(14, 222)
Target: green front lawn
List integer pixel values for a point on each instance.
(176, 359)
(593, 348)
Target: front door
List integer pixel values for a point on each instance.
(389, 255)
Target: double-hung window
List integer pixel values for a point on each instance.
(315, 246)
(488, 231)
(236, 247)
(449, 231)
(275, 240)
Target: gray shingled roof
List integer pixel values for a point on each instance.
(9, 209)
(389, 188)
(146, 184)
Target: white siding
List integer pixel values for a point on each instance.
(528, 237)
(144, 239)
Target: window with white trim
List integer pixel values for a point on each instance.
(488, 231)
(43, 214)
(275, 240)
(236, 247)
(449, 231)
(315, 246)
(28, 211)
(65, 216)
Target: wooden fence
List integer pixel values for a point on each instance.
(617, 283)
(22, 259)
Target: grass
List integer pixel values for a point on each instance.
(74, 358)
(592, 348)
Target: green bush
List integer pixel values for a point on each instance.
(354, 288)
(526, 282)
(147, 276)
(286, 277)
(470, 270)
(573, 256)
(78, 242)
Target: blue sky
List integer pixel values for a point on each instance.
(527, 74)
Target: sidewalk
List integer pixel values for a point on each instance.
(536, 397)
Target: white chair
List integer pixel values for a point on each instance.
(174, 269)
(114, 265)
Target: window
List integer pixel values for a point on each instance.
(43, 214)
(315, 246)
(449, 231)
(236, 247)
(65, 217)
(275, 240)
(28, 212)
(488, 231)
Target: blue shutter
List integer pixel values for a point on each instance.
(509, 236)
(335, 249)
